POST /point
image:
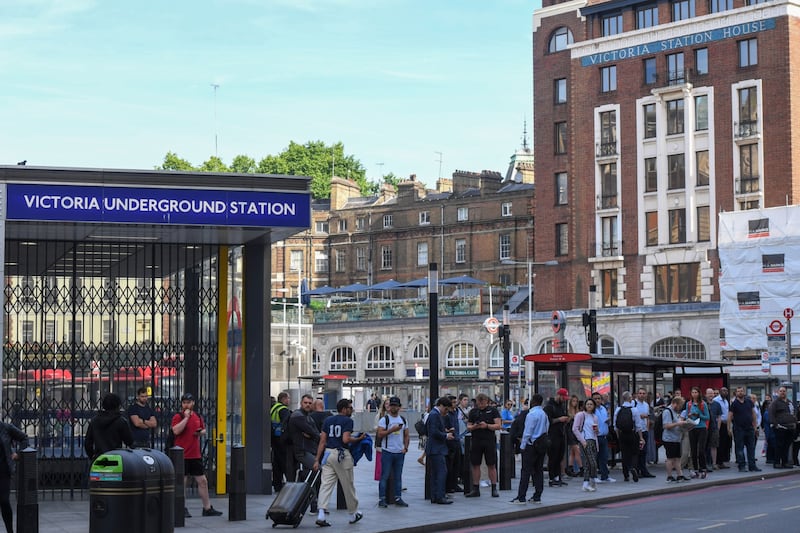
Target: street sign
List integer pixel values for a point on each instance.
(776, 326)
(776, 346)
(491, 324)
(788, 313)
(765, 365)
(558, 321)
(514, 363)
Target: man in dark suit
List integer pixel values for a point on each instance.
(436, 449)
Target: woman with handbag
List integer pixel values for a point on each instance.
(585, 428)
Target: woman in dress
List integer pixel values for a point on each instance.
(585, 429)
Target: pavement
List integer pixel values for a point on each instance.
(73, 516)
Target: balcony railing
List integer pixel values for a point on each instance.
(745, 128)
(611, 249)
(392, 309)
(608, 149)
(747, 185)
(608, 201)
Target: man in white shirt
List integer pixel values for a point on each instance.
(394, 437)
(642, 409)
(724, 448)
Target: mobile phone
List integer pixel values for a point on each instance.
(400, 424)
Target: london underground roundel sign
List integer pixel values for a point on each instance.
(558, 321)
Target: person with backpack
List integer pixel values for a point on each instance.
(279, 420)
(629, 436)
(697, 413)
(393, 434)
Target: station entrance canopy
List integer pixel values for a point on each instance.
(120, 279)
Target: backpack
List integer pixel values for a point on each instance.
(658, 425)
(517, 429)
(625, 420)
(421, 428)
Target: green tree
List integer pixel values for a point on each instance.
(391, 179)
(243, 164)
(318, 161)
(214, 164)
(173, 162)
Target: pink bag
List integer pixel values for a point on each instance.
(378, 465)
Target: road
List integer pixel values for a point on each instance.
(767, 505)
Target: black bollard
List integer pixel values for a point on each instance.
(427, 478)
(175, 455)
(506, 460)
(27, 495)
(237, 486)
(466, 475)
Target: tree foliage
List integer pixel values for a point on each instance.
(314, 159)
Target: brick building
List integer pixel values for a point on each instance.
(653, 117)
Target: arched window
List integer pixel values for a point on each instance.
(343, 358)
(560, 39)
(380, 357)
(421, 351)
(547, 347)
(496, 355)
(462, 354)
(609, 346)
(680, 348)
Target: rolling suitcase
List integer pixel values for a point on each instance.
(292, 501)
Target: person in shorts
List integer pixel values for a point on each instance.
(671, 437)
(483, 422)
(188, 427)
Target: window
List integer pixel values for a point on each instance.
(560, 91)
(608, 133)
(420, 351)
(608, 79)
(560, 39)
(649, 121)
(748, 53)
(609, 287)
(676, 74)
(321, 226)
(608, 186)
(361, 259)
(343, 358)
(561, 138)
(701, 112)
(461, 354)
(505, 246)
(461, 250)
(75, 331)
(701, 61)
(677, 172)
(744, 205)
(682, 10)
(677, 226)
(296, 260)
(341, 261)
(715, 6)
(650, 75)
(646, 16)
(380, 358)
(463, 214)
(27, 331)
(561, 188)
(675, 116)
(496, 353)
(386, 258)
(679, 347)
(424, 218)
(50, 331)
(505, 209)
(703, 224)
(651, 227)
(315, 361)
(612, 24)
(562, 239)
(320, 262)
(610, 237)
(748, 169)
(342, 225)
(678, 283)
(387, 221)
(650, 174)
(748, 111)
(702, 168)
(361, 223)
(422, 254)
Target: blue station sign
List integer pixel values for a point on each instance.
(150, 205)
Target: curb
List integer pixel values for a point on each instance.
(596, 502)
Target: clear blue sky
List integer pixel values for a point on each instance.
(117, 84)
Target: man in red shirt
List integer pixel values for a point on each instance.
(188, 427)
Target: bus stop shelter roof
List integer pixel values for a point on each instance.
(645, 363)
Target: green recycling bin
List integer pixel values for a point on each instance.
(132, 490)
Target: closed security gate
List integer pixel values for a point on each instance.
(81, 319)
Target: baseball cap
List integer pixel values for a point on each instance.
(394, 400)
(563, 392)
(187, 397)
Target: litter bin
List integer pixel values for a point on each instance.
(132, 490)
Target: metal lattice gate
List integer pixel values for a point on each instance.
(81, 319)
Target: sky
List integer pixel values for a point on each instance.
(403, 84)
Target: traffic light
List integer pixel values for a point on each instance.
(590, 325)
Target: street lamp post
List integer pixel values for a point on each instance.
(530, 265)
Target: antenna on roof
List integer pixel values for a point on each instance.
(525, 134)
(440, 163)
